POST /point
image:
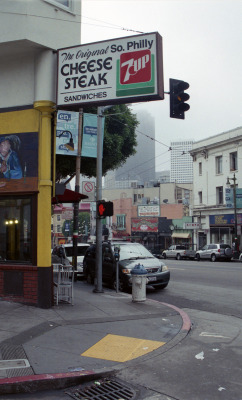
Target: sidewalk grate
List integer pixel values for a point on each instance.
(14, 361)
(103, 390)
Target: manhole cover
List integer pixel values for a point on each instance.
(104, 389)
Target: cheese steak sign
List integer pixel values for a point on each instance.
(120, 70)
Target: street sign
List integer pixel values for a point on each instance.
(88, 188)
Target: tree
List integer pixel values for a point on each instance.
(119, 144)
(83, 225)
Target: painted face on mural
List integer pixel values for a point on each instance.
(5, 146)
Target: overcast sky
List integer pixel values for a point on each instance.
(201, 45)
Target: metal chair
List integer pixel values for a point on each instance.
(63, 283)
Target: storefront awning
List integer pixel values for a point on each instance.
(69, 196)
(180, 235)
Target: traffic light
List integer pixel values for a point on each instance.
(178, 98)
(104, 209)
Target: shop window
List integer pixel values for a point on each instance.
(218, 164)
(233, 161)
(16, 230)
(219, 195)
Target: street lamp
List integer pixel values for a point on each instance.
(234, 179)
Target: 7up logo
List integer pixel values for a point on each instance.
(135, 67)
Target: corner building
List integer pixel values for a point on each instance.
(31, 32)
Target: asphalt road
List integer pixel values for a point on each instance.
(204, 286)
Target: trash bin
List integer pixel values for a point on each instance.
(139, 282)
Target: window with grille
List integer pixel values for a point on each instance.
(121, 221)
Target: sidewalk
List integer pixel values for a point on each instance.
(66, 345)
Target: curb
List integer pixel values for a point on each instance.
(34, 383)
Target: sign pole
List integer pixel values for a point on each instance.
(77, 189)
(98, 274)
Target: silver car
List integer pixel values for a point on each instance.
(215, 252)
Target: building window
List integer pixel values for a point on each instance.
(233, 161)
(16, 230)
(218, 163)
(58, 228)
(219, 195)
(121, 221)
(200, 197)
(200, 168)
(66, 5)
(58, 217)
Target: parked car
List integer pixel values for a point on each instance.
(67, 254)
(215, 251)
(179, 252)
(131, 254)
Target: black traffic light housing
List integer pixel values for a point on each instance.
(178, 98)
(104, 209)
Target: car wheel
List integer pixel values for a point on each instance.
(120, 284)
(164, 255)
(213, 257)
(160, 287)
(178, 256)
(197, 257)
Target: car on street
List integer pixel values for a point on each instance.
(130, 255)
(67, 255)
(215, 251)
(178, 251)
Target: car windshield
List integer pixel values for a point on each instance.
(81, 251)
(133, 251)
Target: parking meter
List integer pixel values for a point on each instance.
(116, 253)
(117, 256)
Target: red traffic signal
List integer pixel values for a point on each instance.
(178, 98)
(104, 209)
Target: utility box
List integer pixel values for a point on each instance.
(139, 281)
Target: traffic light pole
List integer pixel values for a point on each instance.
(98, 274)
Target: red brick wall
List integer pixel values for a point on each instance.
(30, 284)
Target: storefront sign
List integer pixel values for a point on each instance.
(191, 225)
(144, 224)
(224, 219)
(148, 211)
(121, 70)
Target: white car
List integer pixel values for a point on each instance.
(68, 254)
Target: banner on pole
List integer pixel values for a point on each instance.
(67, 133)
(89, 137)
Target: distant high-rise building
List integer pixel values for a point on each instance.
(140, 168)
(181, 161)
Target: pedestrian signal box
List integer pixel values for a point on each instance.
(104, 209)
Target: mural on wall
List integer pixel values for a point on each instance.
(19, 162)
